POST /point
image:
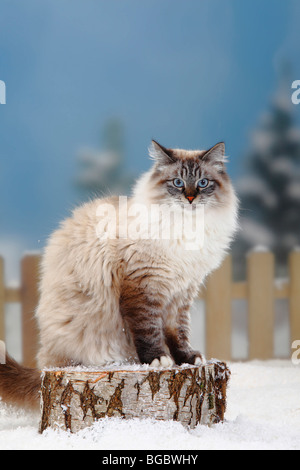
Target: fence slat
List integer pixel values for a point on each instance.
(29, 296)
(260, 289)
(260, 270)
(2, 301)
(294, 267)
(218, 312)
(12, 295)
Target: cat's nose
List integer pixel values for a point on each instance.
(190, 198)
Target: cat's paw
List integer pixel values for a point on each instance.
(194, 358)
(199, 360)
(163, 361)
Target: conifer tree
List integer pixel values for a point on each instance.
(270, 191)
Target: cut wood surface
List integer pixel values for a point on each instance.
(75, 398)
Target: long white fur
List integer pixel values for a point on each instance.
(78, 313)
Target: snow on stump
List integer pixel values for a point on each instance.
(73, 398)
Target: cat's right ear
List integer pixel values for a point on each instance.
(160, 154)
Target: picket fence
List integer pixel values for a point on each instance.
(260, 290)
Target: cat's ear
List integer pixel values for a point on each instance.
(160, 154)
(216, 155)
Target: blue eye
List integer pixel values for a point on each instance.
(203, 183)
(178, 183)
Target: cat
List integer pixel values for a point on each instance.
(109, 297)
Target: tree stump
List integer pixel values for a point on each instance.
(74, 398)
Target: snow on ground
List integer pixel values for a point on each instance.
(263, 413)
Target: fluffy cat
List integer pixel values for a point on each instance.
(107, 298)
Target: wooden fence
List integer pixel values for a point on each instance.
(260, 290)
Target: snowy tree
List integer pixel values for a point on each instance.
(270, 193)
(102, 172)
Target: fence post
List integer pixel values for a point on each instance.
(294, 268)
(218, 298)
(29, 297)
(260, 268)
(2, 300)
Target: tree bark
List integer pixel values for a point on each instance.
(73, 398)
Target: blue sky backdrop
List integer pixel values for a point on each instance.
(187, 73)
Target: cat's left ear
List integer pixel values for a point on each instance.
(160, 154)
(216, 155)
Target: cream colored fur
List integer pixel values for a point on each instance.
(78, 313)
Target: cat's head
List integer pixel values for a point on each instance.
(188, 177)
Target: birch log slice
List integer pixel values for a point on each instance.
(73, 398)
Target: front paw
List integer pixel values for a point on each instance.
(163, 361)
(190, 357)
(199, 360)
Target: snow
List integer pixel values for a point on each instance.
(259, 249)
(116, 366)
(257, 234)
(254, 186)
(283, 166)
(263, 413)
(293, 190)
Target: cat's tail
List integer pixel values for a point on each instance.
(19, 385)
